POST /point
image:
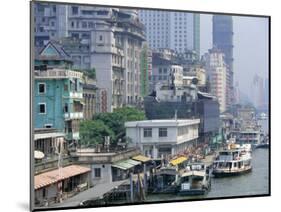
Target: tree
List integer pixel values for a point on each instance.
(115, 121)
(92, 132)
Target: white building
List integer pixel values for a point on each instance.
(163, 138)
(163, 74)
(174, 30)
(217, 72)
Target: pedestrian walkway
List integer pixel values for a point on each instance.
(93, 193)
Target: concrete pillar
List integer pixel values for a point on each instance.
(154, 152)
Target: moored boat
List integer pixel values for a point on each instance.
(195, 180)
(232, 162)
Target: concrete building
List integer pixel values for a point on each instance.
(223, 40)
(165, 74)
(163, 138)
(91, 99)
(57, 185)
(58, 92)
(217, 72)
(50, 22)
(104, 165)
(146, 69)
(179, 31)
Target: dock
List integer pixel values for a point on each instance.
(96, 192)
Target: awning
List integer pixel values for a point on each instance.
(178, 160)
(48, 178)
(141, 158)
(126, 164)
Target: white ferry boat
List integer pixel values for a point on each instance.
(232, 162)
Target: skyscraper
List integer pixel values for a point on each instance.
(179, 31)
(223, 40)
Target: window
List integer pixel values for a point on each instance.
(42, 108)
(48, 125)
(163, 132)
(74, 10)
(84, 24)
(100, 37)
(147, 132)
(97, 172)
(42, 88)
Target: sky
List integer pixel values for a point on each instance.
(250, 50)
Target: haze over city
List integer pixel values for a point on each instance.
(250, 50)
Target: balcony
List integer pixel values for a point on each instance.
(75, 115)
(78, 95)
(57, 74)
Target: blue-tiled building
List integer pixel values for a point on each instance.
(58, 92)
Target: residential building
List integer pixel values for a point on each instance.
(50, 22)
(91, 98)
(223, 40)
(146, 69)
(106, 167)
(163, 138)
(166, 74)
(50, 142)
(179, 31)
(56, 185)
(58, 99)
(217, 72)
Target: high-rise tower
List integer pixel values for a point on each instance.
(223, 40)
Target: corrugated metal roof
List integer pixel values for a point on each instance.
(126, 164)
(141, 158)
(51, 177)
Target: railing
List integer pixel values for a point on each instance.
(58, 73)
(76, 95)
(77, 115)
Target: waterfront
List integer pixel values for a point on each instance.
(253, 183)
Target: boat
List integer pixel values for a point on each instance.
(264, 143)
(195, 180)
(263, 116)
(166, 180)
(232, 162)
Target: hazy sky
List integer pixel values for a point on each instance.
(250, 47)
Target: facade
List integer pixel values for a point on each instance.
(56, 185)
(217, 72)
(104, 165)
(58, 101)
(146, 69)
(223, 40)
(58, 92)
(50, 22)
(163, 138)
(50, 142)
(167, 74)
(90, 98)
(179, 31)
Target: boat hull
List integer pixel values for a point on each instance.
(193, 192)
(218, 174)
(262, 146)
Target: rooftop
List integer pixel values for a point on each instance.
(162, 122)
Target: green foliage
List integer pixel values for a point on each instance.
(93, 132)
(116, 120)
